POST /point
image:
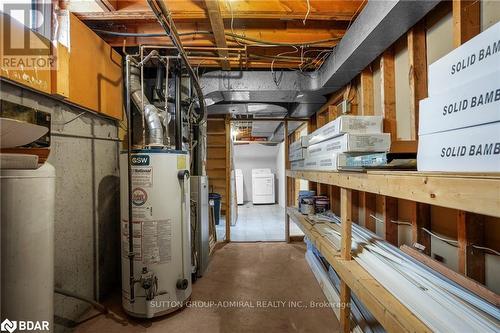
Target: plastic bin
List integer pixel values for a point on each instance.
(215, 200)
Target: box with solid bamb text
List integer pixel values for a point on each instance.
(474, 103)
(470, 149)
(474, 59)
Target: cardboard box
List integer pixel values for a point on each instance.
(350, 143)
(347, 124)
(296, 155)
(329, 162)
(475, 58)
(300, 143)
(297, 165)
(471, 149)
(474, 103)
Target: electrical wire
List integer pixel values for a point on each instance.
(486, 249)
(230, 34)
(307, 13)
(446, 240)
(273, 73)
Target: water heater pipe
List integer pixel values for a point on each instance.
(150, 111)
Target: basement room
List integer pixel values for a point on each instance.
(250, 166)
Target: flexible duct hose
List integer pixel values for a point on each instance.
(151, 113)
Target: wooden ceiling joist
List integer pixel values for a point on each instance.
(217, 25)
(320, 10)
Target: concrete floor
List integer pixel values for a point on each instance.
(249, 272)
(260, 223)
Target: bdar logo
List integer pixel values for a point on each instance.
(8, 325)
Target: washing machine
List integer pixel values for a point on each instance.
(239, 186)
(263, 186)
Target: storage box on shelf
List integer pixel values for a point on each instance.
(346, 124)
(459, 128)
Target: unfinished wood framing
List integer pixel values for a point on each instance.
(217, 25)
(473, 193)
(417, 60)
(466, 20)
(227, 125)
(388, 93)
(390, 219)
(470, 232)
(421, 218)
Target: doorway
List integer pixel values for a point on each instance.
(258, 166)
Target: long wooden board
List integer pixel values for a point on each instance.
(473, 193)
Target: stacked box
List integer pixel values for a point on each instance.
(300, 143)
(351, 143)
(297, 155)
(346, 124)
(329, 162)
(459, 129)
(297, 165)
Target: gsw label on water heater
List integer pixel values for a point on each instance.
(140, 160)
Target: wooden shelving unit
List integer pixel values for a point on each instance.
(391, 314)
(476, 193)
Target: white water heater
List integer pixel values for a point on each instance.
(161, 232)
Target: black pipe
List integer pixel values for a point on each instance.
(178, 111)
(159, 83)
(128, 111)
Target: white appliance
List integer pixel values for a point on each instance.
(262, 186)
(27, 255)
(161, 232)
(239, 186)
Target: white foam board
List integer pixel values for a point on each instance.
(471, 149)
(473, 103)
(347, 124)
(348, 142)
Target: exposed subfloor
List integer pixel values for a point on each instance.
(246, 272)
(260, 223)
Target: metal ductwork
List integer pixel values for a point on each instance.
(377, 27)
(151, 113)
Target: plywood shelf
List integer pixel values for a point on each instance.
(476, 193)
(390, 313)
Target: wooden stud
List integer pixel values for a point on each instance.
(288, 188)
(417, 54)
(227, 127)
(421, 218)
(217, 25)
(345, 253)
(345, 217)
(390, 214)
(345, 308)
(388, 93)
(470, 231)
(368, 204)
(366, 79)
(466, 20)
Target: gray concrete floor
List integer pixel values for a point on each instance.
(249, 272)
(260, 223)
